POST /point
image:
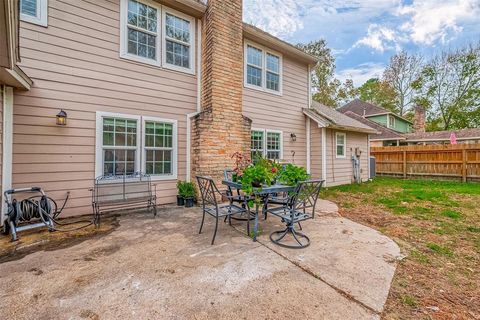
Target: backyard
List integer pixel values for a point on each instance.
(437, 226)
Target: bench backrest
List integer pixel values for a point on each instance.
(122, 189)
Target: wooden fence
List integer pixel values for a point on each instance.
(460, 161)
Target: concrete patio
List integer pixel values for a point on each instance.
(162, 269)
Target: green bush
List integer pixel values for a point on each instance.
(186, 189)
(292, 174)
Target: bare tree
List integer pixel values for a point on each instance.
(400, 74)
(450, 86)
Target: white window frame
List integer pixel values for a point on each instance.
(174, 174)
(344, 145)
(391, 121)
(265, 132)
(166, 65)
(265, 51)
(42, 14)
(140, 162)
(160, 56)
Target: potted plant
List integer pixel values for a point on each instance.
(292, 174)
(189, 194)
(180, 193)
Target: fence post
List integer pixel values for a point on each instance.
(464, 165)
(405, 164)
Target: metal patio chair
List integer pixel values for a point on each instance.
(300, 206)
(237, 195)
(210, 205)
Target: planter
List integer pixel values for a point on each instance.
(256, 184)
(189, 202)
(180, 201)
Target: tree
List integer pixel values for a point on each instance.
(402, 71)
(379, 93)
(449, 86)
(326, 89)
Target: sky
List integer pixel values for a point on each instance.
(364, 34)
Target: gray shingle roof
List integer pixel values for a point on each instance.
(443, 135)
(329, 117)
(384, 133)
(362, 108)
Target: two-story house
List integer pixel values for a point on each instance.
(391, 126)
(168, 88)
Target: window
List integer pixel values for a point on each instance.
(263, 69)
(391, 121)
(155, 34)
(128, 144)
(34, 11)
(340, 144)
(267, 143)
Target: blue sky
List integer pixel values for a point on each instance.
(364, 34)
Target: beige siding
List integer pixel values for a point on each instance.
(270, 111)
(340, 171)
(1, 143)
(75, 66)
(316, 150)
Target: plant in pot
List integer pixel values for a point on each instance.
(189, 194)
(254, 177)
(292, 174)
(180, 192)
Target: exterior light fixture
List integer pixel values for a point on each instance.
(293, 136)
(62, 118)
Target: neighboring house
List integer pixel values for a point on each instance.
(379, 115)
(169, 88)
(444, 137)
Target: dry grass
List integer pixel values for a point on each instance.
(437, 225)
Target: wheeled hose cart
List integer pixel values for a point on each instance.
(36, 211)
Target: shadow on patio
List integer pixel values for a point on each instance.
(141, 267)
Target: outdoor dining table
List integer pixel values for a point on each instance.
(264, 193)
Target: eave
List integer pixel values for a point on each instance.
(191, 7)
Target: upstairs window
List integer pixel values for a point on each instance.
(34, 11)
(263, 69)
(154, 34)
(391, 121)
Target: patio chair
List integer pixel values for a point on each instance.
(237, 196)
(210, 205)
(300, 206)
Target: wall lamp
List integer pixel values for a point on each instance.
(293, 136)
(62, 118)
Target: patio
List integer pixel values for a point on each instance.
(161, 268)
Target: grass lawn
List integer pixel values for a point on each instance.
(437, 226)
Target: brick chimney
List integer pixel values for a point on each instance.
(220, 129)
(419, 119)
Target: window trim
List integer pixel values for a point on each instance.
(265, 132)
(344, 156)
(391, 124)
(265, 51)
(181, 15)
(140, 148)
(143, 165)
(42, 14)
(161, 56)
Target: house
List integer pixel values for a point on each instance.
(169, 88)
(383, 117)
(444, 137)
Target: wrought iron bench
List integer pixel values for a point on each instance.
(111, 193)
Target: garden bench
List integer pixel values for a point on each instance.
(111, 193)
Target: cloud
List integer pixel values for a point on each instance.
(361, 73)
(432, 20)
(379, 38)
(279, 17)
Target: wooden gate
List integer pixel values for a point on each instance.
(460, 161)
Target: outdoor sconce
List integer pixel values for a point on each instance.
(62, 118)
(293, 136)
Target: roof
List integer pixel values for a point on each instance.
(330, 118)
(367, 109)
(463, 134)
(384, 133)
(253, 33)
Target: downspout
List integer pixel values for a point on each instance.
(368, 157)
(324, 155)
(308, 124)
(7, 143)
(199, 101)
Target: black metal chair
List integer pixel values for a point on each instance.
(299, 207)
(210, 205)
(237, 195)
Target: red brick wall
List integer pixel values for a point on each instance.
(220, 129)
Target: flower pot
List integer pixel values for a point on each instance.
(256, 184)
(180, 201)
(189, 202)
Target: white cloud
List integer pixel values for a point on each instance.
(432, 20)
(379, 38)
(361, 73)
